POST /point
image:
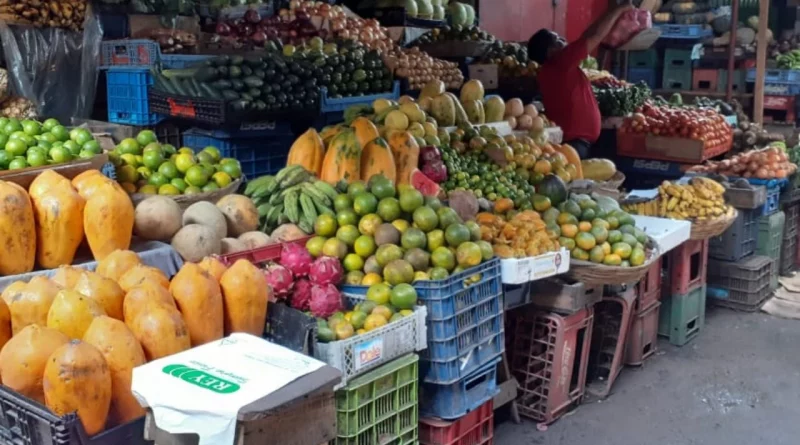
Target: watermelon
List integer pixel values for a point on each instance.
(411, 8)
(554, 188)
(424, 184)
(458, 14)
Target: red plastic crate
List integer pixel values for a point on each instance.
(704, 79)
(475, 428)
(549, 359)
(262, 254)
(648, 289)
(685, 267)
(612, 321)
(643, 336)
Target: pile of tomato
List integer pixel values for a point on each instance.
(702, 124)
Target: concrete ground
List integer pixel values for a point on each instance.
(738, 383)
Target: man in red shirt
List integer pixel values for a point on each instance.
(566, 92)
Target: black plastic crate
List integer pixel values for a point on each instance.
(748, 275)
(196, 109)
(739, 240)
(739, 300)
(788, 256)
(26, 422)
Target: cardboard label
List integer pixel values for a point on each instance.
(368, 352)
(183, 110)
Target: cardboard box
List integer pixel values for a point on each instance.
(680, 149)
(566, 297)
(487, 73)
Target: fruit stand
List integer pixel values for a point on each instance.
(402, 245)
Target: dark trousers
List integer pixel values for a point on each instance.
(582, 146)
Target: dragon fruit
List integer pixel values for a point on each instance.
(296, 258)
(326, 270)
(301, 298)
(325, 300)
(430, 154)
(280, 280)
(436, 171)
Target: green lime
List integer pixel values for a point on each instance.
(152, 159)
(168, 189)
(80, 136)
(60, 155)
(5, 159)
(73, 147)
(169, 170)
(49, 124)
(146, 137)
(196, 176)
(16, 147)
(214, 152)
(129, 146)
(18, 163)
(179, 183)
(233, 169)
(157, 179)
(31, 128)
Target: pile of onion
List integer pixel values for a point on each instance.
(339, 24)
(765, 163)
(420, 68)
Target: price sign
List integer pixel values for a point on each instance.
(181, 109)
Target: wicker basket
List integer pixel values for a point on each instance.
(615, 182)
(713, 227)
(184, 201)
(593, 274)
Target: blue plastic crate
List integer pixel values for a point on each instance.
(329, 105)
(179, 61)
(257, 155)
(772, 204)
(781, 89)
(648, 75)
(462, 343)
(141, 53)
(457, 399)
(672, 31)
(127, 96)
(643, 59)
(775, 76)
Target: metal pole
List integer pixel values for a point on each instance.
(732, 50)
(761, 60)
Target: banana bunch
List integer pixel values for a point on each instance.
(700, 199)
(293, 195)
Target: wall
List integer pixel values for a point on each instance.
(517, 20)
(581, 14)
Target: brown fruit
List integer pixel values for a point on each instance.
(117, 263)
(140, 297)
(245, 291)
(161, 331)
(72, 313)
(199, 299)
(141, 273)
(122, 353)
(24, 357)
(213, 266)
(77, 379)
(104, 291)
(32, 303)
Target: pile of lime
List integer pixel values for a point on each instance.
(30, 143)
(146, 166)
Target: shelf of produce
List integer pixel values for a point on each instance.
(151, 253)
(524, 270)
(23, 177)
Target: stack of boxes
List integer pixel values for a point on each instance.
(683, 296)
(676, 70)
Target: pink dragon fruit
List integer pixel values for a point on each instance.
(280, 280)
(326, 270)
(296, 258)
(430, 154)
(325, 300)
(436, 171)
(301, 297)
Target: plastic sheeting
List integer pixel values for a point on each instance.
(54, 68)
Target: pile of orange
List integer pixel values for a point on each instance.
(516, 234)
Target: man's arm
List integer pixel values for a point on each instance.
(600, 29)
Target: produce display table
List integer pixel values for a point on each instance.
(152, 253)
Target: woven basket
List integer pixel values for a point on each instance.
(713, 227)
(184, 201)
(593, 274)
(614, 182)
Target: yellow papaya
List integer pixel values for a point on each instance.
(58, 211)
(307, 151)
(343, 159)
(17, 230)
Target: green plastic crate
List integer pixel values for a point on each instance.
(643, 59)
(380, 406)
(682, 317)
(769, 241)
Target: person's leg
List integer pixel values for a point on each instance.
(581, 145)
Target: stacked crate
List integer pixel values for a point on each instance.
(683, 291)
(788, 254)
(677, 71)
(642, 67)
(380, 405)
(613, 316)
(769, 240)
(742, 285)
(458, 370)
(643, 335)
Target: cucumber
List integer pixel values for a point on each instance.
(222, 84)
(206, 74)
(230, 95)
(253, 82)
(210, 92)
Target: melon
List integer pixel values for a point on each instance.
(240, 214)
(207, 214)
(424, 184)
(470, 14)
(411, 8)
(458, 14)
(157, 218)
(438, 12)
(425, 9)
(196, 241)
